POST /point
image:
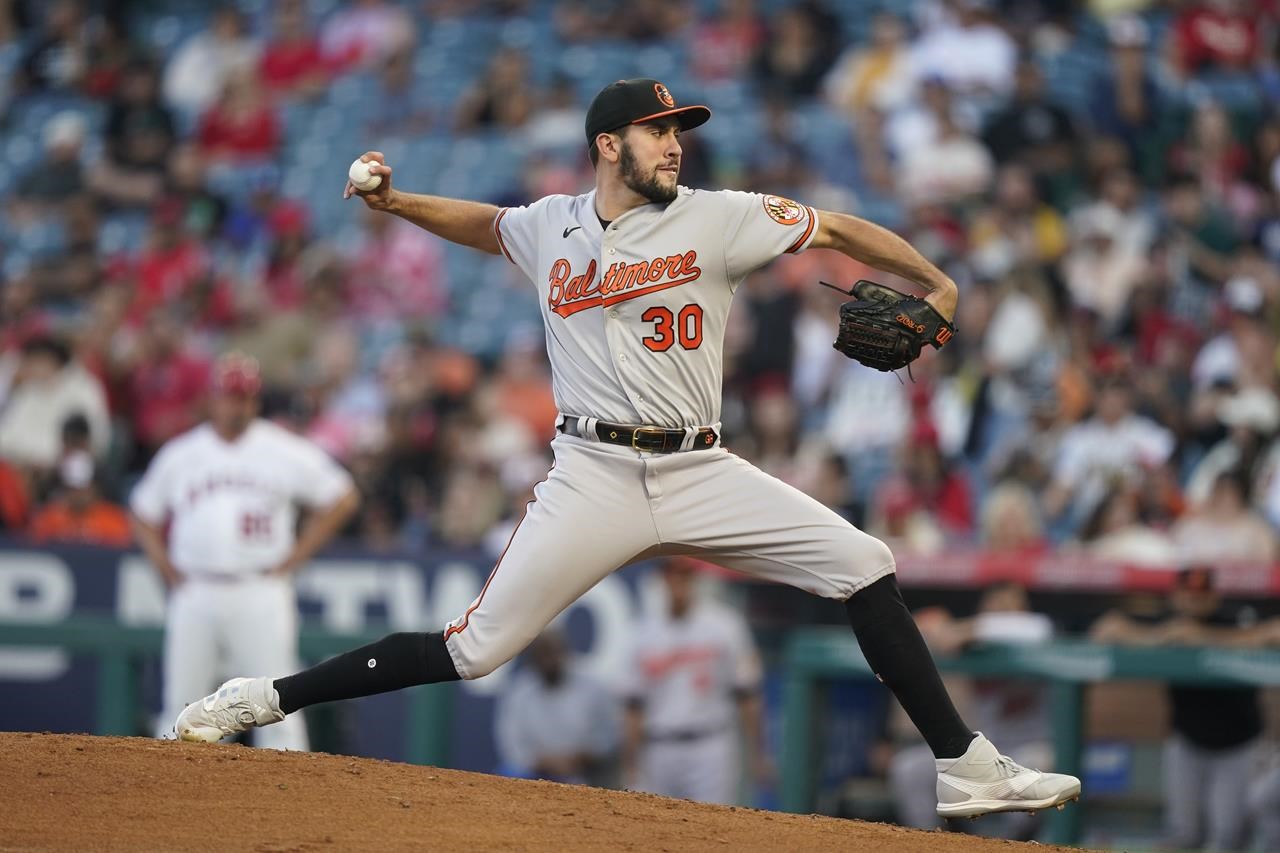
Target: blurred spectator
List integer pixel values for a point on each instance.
(1117, 531)
(1019, 710)
(1036, 132)
(242, 124)
(57, 58)
(177, 271)
(78, 513)
(67, 277)
(554, 721)
(365, 32)
(1011, 521)
(927, 483)
(1119, 203)
(951, 168)
(1200, 231)
(109, 52)
(401, 106)
(878, 75)
(1112, 445)
(44, 387)
(1225, 528)
(967, 49)
(399, 274)
(1222, 35)
(292, 64)
(502, 98)
(725, 42)
(556, 125)
(1251, 417)
(1124, 100)
(197, 73)
(799, 51)
(1100, 271)
(1019, 230)
(521, 388)
(1211, 152)
(1210, 756)
(165, 382)
(693, 663)
(203, 212)
(1242, 352)
(139, 135)
(61, 175)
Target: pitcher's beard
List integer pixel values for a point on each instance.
(649, 187)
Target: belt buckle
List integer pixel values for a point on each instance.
(648, 430)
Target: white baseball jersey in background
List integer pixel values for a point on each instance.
(635, 319)
(231, 508)
(687, 674)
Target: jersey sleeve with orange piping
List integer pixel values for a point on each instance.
(521, 231)
(761, 227)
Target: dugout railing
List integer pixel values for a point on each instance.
(816, 656)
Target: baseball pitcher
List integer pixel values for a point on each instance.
(215, 513)
(635, 279)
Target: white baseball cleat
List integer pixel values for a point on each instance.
(237, 705)
(983, 781)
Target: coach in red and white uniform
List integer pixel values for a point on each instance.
(216, 513)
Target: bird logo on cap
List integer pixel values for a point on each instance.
(664, 95)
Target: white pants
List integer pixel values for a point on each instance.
(1206, 794)
(707, 770)
(215, 629)
(604, 506)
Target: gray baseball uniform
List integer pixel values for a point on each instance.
(635, 316)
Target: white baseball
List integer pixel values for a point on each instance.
(360, 177)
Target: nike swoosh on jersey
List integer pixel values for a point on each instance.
(569, 231)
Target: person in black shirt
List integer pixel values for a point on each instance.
(1211, 752)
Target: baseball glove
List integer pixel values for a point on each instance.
(886, 329)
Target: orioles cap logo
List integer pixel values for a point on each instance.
(663, 95)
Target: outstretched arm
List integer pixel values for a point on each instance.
(879, 247)
(468, 223)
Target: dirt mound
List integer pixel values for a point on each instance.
(82, 793)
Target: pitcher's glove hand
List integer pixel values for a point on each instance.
(886, 329)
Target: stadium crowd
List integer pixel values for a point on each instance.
(1102, 179)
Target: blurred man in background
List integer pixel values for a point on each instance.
(555, 721)
(216, 515)
(1211, 755)
(694, 666)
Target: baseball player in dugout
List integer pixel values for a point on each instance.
(216, 514)
(693, 663)
(635, 279)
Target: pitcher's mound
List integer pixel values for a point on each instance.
(76, 792)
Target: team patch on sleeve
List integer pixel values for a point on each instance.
(783, 211)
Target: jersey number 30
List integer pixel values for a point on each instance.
(685, 326)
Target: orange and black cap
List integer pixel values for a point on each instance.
(638, 100)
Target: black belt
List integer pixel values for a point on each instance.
(649, 439)
(682, 735)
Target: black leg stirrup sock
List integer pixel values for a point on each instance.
(892, 644)
(394, 662)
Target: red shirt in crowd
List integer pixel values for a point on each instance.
(1208, 37)
(286, 64)
(253, 135)
(165, 396)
